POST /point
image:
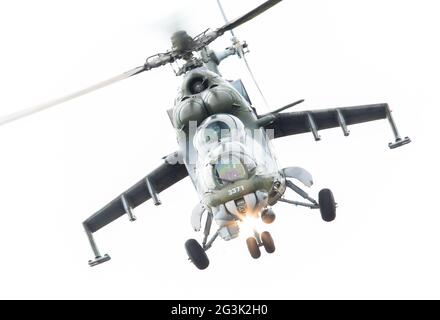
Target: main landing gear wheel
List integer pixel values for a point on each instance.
(253, 247)
(327, 205)
(267, 241)
(196, 254)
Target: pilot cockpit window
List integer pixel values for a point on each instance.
(228, 153)
(216, 131)
(230, 172)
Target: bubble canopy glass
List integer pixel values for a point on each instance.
(228, 152)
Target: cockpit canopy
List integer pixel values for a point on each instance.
(227, 152)
(216, 130)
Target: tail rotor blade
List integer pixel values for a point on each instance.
(29, 111)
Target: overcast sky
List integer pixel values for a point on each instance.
(60, 166)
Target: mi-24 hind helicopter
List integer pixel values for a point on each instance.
(224, 146)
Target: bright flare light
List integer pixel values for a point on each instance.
(248, 224)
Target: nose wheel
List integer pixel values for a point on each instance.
(267, 241)
(253, 247)
(264, 240)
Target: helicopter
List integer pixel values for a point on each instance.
(224, 146)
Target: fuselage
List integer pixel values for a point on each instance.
(227, 155)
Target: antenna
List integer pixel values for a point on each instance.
(241, 54)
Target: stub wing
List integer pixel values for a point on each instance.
(290, 123)
(163, 177)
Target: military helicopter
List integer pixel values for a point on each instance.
(224, 146)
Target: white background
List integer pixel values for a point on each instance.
(60, 166)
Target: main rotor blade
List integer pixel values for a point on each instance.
(248, 16)
(222, 11)
(53, 103)
(241, 54)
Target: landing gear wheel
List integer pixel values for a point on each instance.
(268, 243)
(327, 205)
(253, 247)
(196, 254)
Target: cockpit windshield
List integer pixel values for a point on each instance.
(228, 172)
(227, 153)
(216, 130)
